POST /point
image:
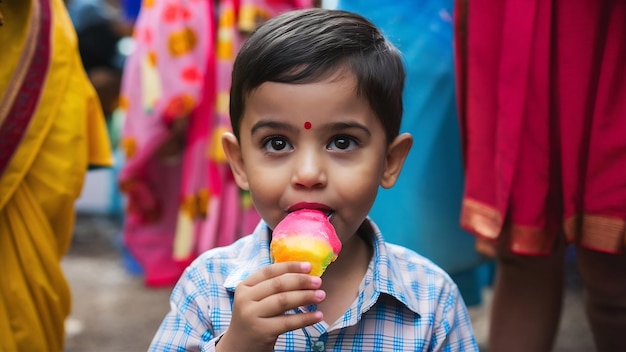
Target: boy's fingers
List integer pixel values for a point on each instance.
(290, 322)
(277, 269)
(279, 303)
(284, 283)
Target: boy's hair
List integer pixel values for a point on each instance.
(306, 46)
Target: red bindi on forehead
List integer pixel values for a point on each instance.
(307, 125)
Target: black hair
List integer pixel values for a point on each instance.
(306, 46)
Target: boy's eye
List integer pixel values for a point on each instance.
(276, 144)
(343, 143)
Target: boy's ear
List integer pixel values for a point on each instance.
(232, 149)
(396, 155)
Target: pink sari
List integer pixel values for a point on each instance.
(542, 98)
(165, 87)
(185, 202)
(230, 212)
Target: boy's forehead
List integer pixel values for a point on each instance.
(331, 74)
(305, 105)
(350, 115)
(344, 77)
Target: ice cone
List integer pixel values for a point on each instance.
(306, 236)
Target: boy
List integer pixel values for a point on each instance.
(316, 104)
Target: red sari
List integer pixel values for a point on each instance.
(542, 101)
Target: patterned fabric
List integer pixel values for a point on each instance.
(161, 91)
(405, 303)
(175, 87)
(229, 212)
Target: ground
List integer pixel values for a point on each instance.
(114, 312)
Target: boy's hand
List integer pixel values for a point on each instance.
(261, 301)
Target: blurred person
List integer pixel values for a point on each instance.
(542, 96)
(182, 198)
(51, 131)
(100, 27)
(421, 212)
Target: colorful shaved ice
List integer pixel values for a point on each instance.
(306, 236)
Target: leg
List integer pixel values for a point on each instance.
(604, 278)
(526, 308)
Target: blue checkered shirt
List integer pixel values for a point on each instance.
(405, 303)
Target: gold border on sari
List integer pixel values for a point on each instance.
(30, 45)
(480, 219)
(597, 232)
(531, 240)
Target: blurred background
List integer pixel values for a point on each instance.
(114, 309)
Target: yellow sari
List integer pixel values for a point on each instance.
(51, 131)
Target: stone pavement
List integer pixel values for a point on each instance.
(114, 312)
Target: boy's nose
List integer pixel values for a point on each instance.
(309, 170)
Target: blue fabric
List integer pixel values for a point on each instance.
(422, 210)
(85, 13)
(131, 8)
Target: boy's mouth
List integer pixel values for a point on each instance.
(314, 206)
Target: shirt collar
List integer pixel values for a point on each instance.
(386, 271)
(254, 255)
(383, 274)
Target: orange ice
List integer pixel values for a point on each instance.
(306, 236)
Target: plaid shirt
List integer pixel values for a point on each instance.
(405, 303)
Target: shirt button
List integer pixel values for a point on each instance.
(318, 346)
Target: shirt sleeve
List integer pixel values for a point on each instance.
(187, 326)
(453, 330)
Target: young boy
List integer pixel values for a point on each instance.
(315, 110)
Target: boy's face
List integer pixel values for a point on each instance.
(315, 145)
